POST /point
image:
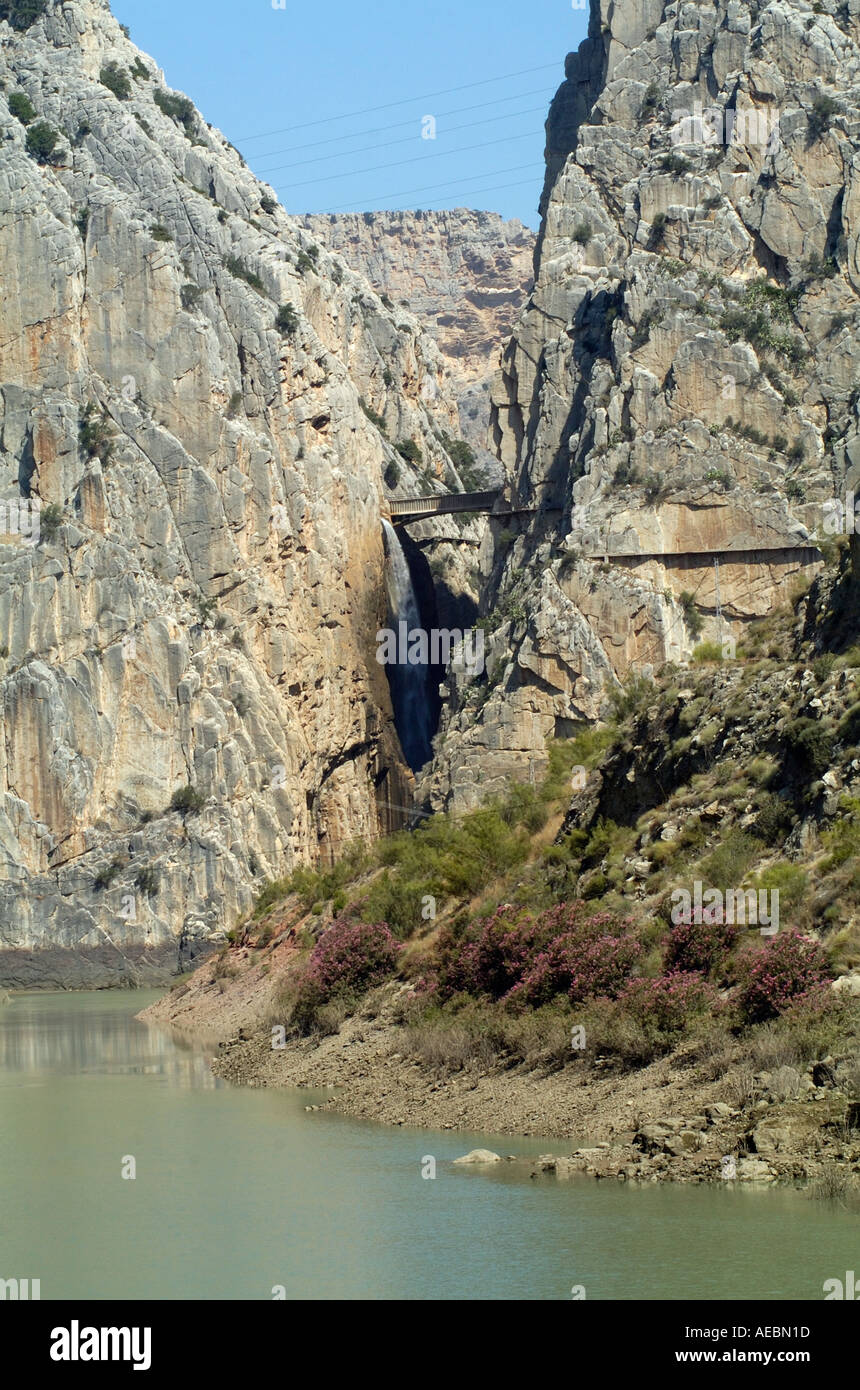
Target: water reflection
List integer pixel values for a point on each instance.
(45, 1034)
(240, 1189)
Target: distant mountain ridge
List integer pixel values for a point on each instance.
(464, 274)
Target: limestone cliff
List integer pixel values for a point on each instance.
(464, 274)
(204, 402)
(681, 387)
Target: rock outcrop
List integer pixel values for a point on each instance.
(681, 388)
(204, 403)
(465, 275)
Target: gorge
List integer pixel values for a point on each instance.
(428, 874)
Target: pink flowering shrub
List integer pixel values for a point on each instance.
(788, 970)
(490, 957)
(665, 1005)
(347, 960)
(522, 960)
(700, 946)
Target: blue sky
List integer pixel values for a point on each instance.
(327, 101)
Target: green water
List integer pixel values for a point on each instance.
(240, 1190)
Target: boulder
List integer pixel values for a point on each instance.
(479, 1156)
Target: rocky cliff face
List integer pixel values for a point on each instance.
(682, 386)
(465, 275)
(201, 609)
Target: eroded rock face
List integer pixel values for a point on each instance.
(680, 388)
(465, 275)
(204, 612)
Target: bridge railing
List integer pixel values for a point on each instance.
(444, 502)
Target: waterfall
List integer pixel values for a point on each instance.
(407, 681)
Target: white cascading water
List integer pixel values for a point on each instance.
(408, 682)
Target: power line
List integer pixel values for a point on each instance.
(413, 159)
(388, 105)
(404, 193)
(398, 125)
(404, 140)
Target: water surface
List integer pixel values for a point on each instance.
(240, 1190)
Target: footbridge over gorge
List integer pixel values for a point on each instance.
(746, 549)
(493, 502)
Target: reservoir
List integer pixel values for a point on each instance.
(239, 1192)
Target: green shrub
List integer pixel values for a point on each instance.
(824, 108)
(373, 416)
(268, 204)
(159, 232)
(41, 141)
(581, 233)
(116, 80)
(692, 617)
(764, 306)
(632, 697)
(708, 651)
(774, 820)
(821, 668)
(50, 520)
(178, 108)
(675, 164)
(95, 436)
(307, 260)
(457, 857)
(274, 891)
(642, 331)
(238, 268)
(22, 108)
(726, 867)
(462, 455)
(627, 474)
(147, 881)
(391, 475)
(189, 295)
(82, 221)
(234, 405)
(525, 806)
(789, 880)
(398, 901)
(820, 268)
(657, 232)
(811, 745)
(583, 750)
(22, 13)
(286, 320)
(650, 101)
(139, 71)
(408, 449)
(187, 801)
(843, 837)
(106, 875)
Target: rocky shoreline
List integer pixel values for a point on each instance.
(661, 1123)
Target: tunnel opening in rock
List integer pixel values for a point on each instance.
(413, 673)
